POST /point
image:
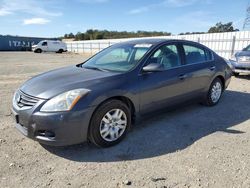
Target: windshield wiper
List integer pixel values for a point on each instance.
(95, 68)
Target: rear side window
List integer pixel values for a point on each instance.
(195, 54)
(209, 55)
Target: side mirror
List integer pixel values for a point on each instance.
(153, 67)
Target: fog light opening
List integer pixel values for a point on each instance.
(48, 134)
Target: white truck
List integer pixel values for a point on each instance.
(50, 46)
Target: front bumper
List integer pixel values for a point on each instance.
(57, 128)
(33, 48)
(242, 70)
(239, 67)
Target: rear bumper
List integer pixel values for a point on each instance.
(56, 129)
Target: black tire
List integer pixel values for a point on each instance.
(60, 51)
(38, 50)
(95, 124)
(208, 98)
(236, 74)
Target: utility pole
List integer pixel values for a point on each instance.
(246, 25)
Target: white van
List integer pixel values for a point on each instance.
(49, 46)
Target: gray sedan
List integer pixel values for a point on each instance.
(99, 100)
(241, 61)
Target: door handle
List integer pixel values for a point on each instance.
(212, 68)
(182, 76)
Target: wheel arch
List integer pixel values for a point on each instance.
(127, 101)
(60, 50)
(38, 50)
(222, 79)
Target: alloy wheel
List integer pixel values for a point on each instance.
(216, 92)
(113, 125)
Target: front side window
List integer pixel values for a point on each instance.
(195, 54)
(166, 55)
(44, 44)
(121, 57)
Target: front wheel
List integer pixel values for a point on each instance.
(236, 74)
(214, 93)
(110, 123)
(38, 50)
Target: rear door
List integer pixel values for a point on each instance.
(199, 67)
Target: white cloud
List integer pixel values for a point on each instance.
(93, 1)
(4, 12)
(167, 3)
(68, 25)
(138, 10)
(35, 21)
(197, 21)
(143, 9)
(33, 7)
(179, 3)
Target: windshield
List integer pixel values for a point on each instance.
(121, 58)
(247, 48)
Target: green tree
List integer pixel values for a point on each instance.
(220, 27)
(71, 35)
(91, 34)
(80, 36)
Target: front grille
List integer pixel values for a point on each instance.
(24, 100)
(244, 59)
(242, 68)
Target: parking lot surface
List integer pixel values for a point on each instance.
(191, 146)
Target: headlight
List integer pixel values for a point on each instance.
(65, 101)
(16, 97)
(233, 58)
(229, 63)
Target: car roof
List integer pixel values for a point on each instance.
(50, 41)
(158, 41)
(147, 41)
(154, 41)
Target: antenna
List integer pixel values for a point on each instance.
(246, 24)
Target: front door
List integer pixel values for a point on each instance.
(158, 89)
(45, 46)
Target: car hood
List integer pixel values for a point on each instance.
(242, 53)
(52, 83)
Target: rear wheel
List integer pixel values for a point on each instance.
(60, 51)
(214, 93)
(110, 123)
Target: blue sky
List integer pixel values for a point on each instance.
(53, 18)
